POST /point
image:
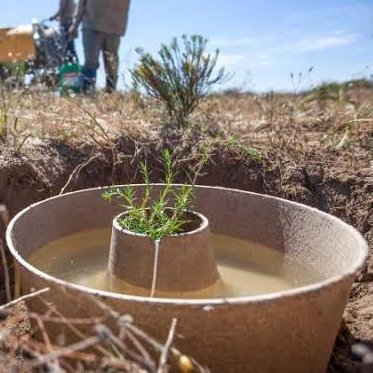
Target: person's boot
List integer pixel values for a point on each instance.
(110, 84)
(89, 79)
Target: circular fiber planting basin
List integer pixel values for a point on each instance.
(285, 275)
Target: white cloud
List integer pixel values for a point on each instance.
(235, 42)
(229, 60)
(258, 60)
(325, 41)
(244, 61)
(243, 58)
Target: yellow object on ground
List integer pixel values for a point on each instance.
(16, 44)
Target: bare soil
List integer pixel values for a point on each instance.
(318, 153)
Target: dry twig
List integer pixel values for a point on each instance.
(76, 172)
(24, 297)
(4, 215)
(65, 351)
(167, 346)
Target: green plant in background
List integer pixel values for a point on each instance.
(9, 121)
(236, 144)
(182, 74)
(3, 124)
(335, 92)
(4, 113)
(13, 74)
(363, 114)
(157, 218)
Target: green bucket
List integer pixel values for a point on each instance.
(70, 78)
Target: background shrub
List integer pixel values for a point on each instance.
(181, 74)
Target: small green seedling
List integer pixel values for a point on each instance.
(157, 218)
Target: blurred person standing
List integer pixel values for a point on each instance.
(65, 15)
(104, 22)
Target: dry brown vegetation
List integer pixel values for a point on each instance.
(313, 147)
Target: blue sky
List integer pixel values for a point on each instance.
(261, 41)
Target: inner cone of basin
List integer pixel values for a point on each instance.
(182, 262)
(290, 331)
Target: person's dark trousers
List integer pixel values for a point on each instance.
(94, 42)
(69, 44)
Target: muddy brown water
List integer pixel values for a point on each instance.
(245, 268)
